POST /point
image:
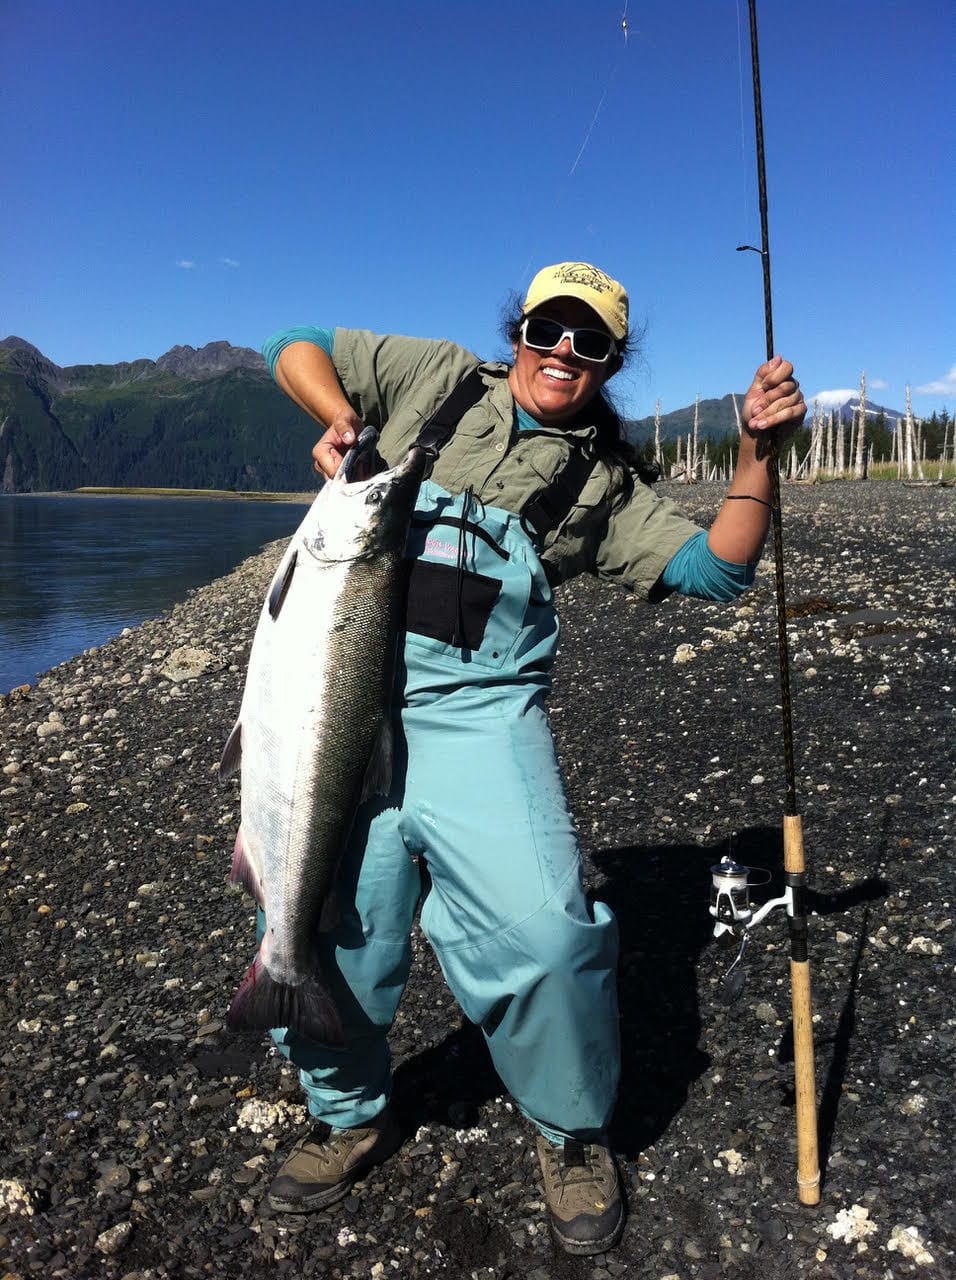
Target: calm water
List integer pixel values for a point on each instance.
(75, 571)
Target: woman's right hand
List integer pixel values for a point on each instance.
(341, 433)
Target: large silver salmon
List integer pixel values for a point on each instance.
(313, 733)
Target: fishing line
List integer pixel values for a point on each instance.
(594, 120)
(525, 276)
(607, 88)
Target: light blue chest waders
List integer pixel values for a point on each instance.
(477, 795)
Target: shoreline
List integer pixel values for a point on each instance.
(215, 495)
(672, 487)
(138, 1136)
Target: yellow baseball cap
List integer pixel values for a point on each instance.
(606, 298)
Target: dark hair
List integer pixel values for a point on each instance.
(618, 454)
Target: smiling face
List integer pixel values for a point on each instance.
(554, 386)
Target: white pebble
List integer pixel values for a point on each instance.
(15, 1198)
(852, 1224)
(925, 946)
(906, 1240)
(112, 1240)
(733, 1159)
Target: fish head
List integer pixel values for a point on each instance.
(356, 519)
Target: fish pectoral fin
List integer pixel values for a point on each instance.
(231, 753)
(281, 582)
(331, 914)
(378, 775)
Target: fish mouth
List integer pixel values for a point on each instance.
(359, 462)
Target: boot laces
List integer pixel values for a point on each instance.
(578, 1162)
(329, 1146)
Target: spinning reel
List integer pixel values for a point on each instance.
(730, 905)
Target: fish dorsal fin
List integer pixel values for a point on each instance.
(231, 753)
(378, 775)
(281, 583)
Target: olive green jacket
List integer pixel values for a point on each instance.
(395, 384)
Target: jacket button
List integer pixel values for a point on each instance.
(499, 448)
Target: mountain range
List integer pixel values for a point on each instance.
(210, 418)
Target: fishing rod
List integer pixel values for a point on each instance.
(730, 881)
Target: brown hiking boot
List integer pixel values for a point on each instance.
(322, 1166)
(583, 1195)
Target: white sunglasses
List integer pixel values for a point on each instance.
(542, 334)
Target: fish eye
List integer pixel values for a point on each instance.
(373, 498)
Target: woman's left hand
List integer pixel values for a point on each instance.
(774, 402)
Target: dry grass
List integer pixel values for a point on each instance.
(225, 495)
(931, 471)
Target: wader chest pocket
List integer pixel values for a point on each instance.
(449, 606)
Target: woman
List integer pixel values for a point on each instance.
(534, 486)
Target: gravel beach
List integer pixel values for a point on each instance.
(137, 1135)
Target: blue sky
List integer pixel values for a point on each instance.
(179, 173)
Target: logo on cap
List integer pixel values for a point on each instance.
(583, 273)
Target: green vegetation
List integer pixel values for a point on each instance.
(134, 425)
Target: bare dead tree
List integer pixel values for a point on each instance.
(830, 460)
(861, 432)
(908, 435)
(693, 455)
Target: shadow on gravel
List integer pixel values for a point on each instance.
(448, 1082)
(660, 895)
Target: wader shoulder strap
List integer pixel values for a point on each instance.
(549, 508)
(440, 427)
(546, 510)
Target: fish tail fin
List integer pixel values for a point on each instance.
(262, 1003)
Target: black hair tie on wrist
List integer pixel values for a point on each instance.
(746, 497)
